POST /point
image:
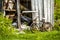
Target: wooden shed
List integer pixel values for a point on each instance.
(36, 9)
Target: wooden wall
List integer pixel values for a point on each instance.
(45, 10)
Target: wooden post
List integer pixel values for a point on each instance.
(18, 13)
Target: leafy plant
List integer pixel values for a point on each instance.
(6, 28)
(57, 14)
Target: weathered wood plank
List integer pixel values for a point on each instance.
(18, 13)
(10, 10)
(49, 11)
(45, 10)
(29, 11)
(52, 12)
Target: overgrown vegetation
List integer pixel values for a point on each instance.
(8, 32)
(6, 28)
(57, 14)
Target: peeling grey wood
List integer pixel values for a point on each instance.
(29, 12)
(40, 12)
(34, 4)
(45, 10)
(33, 8)
(18, 13)
(48, 11)
(52, 12)
(36, 14)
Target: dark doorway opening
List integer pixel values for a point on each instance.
(25, 5)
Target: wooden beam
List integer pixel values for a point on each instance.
(23, 7)
(27, 0)
(10, 10)
(18, 13)
(29, 11)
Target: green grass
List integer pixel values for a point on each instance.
(54, 35)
